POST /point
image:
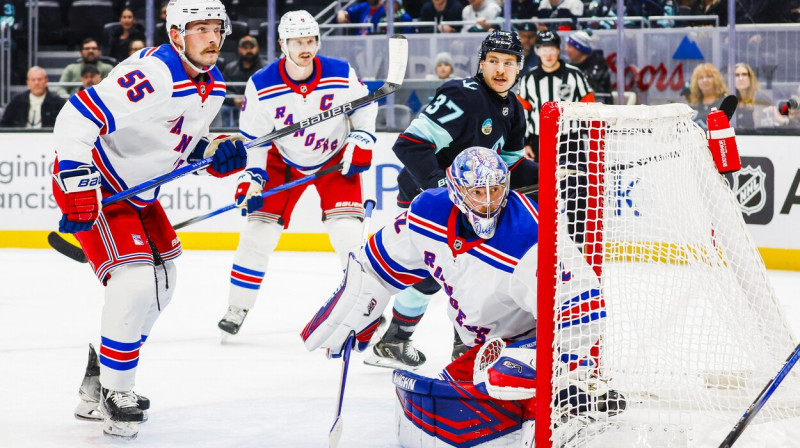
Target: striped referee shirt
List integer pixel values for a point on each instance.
(538, 87)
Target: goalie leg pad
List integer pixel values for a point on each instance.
(356, 306)
(436, 413)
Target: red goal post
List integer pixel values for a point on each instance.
(692, 328)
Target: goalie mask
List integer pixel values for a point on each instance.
(182, 12)
(478, 184)
(296, 24)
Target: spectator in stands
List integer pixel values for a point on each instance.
(608, 8)
(720, 8)
(524, 9)
(371, 11)
(441, 11)
(527, 35)
(591, 63)
(90, 54)
(35, 108)
(444, 67)
(561, 9)
(752, 101)
(118, 38)
(136, 45)
(90, 76)
(480, 12)
(706, 91)
(400, 16)
(240, 70)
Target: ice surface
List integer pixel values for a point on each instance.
(261, 389)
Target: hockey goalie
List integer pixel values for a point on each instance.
(479, 241)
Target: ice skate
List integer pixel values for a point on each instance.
(458, 347)
(232, 321)
(395, 354)
(122, 413)
(89, 408)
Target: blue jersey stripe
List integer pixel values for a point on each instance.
(78, 104)
(112, 125)
(244, 270)
(120, 346)
(426, 129)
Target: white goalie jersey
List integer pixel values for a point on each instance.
(490, 284)
(141, 122)
(274, 101)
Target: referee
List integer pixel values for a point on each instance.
(554, 80)
(551, 80)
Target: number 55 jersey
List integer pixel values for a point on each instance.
(140, 122)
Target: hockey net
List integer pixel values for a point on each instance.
(692, 330)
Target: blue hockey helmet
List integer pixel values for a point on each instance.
(478, 184)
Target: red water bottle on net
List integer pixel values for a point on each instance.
(722, 142)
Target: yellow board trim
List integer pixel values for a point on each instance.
(295, 242)
(774, 258)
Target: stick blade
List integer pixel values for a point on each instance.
(398, 59)
(66, 248)
(335, 434)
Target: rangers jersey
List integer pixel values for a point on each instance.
(141, 122)
(273, 101)
(491, 284)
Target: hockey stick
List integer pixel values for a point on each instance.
(398, 59)
(336, 430)
(64, 247)
(762, 398)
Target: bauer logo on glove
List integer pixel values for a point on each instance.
(357, 155)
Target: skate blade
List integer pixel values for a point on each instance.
(224, 337)
(377, 361)
(123, 430)
(89, 412)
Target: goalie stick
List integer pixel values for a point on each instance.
(761, 400)
(336, 430)
(398, 60)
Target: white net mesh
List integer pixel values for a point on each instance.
(693, 330)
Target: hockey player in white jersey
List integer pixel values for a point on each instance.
(479, 241)
(147, 118)
(295, 87)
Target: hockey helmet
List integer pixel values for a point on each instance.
(547, 39)
(182, 12)
(297, 24)
(470, 181)
(502, 42)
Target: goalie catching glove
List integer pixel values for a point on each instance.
(227, 152)
(507, 373)
(356, 305)
(357, 156)
(80, 198)
(248, 192)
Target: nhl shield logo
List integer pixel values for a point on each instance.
(564, 92)
(505, 111)
(304, 88)
(749, 187)
(202, 89)
(486, 127)
(457, 244)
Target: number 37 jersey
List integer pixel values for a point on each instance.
(141, 121)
